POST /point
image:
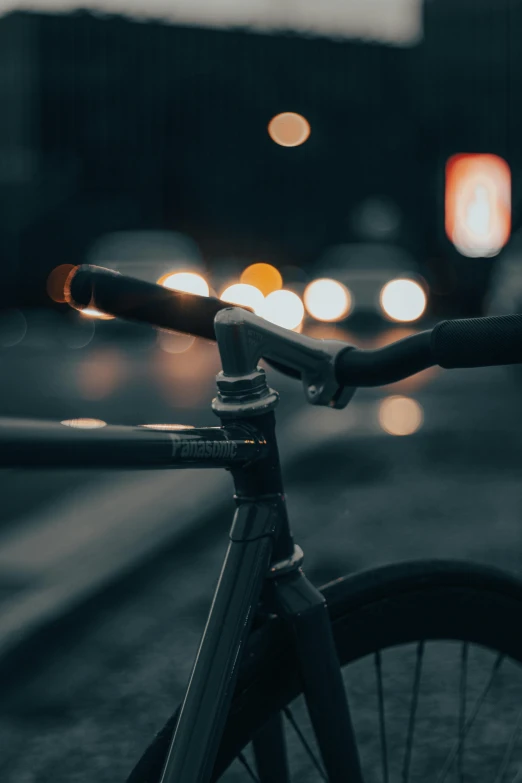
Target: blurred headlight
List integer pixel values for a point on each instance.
(283, 308)
(403, 300)
(327, 300)
(244, 294)
(188, 282)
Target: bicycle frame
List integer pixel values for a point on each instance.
(27, 443)
(262, 560)
(261, 565)
(261, 571)
(262, 552)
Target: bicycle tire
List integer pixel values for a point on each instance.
(370, 611)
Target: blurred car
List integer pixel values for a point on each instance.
(165, 257)
(505, 293)
(148, 255)
(373, 284)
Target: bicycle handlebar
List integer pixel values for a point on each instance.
(136, 300)
(472, 342)
(478, 342)
(460, 343)
(380, 366)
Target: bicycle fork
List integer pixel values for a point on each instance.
(304, 608)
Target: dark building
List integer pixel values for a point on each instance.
(115, 124)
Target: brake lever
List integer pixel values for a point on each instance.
(244, 338)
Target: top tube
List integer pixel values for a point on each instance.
(28, 443)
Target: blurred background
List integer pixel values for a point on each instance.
(350, 170)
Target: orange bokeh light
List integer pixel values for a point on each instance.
(56, 282)
(265, 277)
(478, 203)
(289, 129)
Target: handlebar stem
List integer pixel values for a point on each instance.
(243, 338)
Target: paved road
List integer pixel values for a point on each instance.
(93, 696)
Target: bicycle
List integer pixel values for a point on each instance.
(270, 634)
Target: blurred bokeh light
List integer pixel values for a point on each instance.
(93, 312)
(327, 300)
(78, 334)
(56, 282)
(189, 282)
(85, 424)
(400, 415)
(377, 219)
(265, 277)
(403, 300)
(289, 129)
(101, 373)
(283, 308)
(478, 204)
(13, 327)
(244, 294)
(174, 342)
(167, 427)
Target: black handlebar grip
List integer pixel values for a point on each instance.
(478, 342)
(380, 366)
(137, 300)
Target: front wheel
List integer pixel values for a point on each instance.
(431, 655)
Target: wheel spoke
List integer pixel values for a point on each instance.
(515, 734)
(462, 707)
(313, 758)
(248, 768)
(452, 755)
(413, 710)
(382, 720)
